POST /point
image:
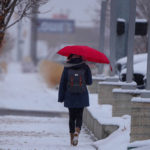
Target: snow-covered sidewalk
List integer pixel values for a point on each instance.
(34, 133)
(28, 92)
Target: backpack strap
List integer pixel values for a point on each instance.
(80, 81)
(71, 81)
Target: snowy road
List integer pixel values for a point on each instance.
(38, 133)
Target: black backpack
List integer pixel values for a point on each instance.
(76, 81)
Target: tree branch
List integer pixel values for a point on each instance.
(11, 13)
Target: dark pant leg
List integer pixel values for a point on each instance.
(72, 119)
(79, 116)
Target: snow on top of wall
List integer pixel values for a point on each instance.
(140, 99)
(103, 113)
(99, 77)
(117, 83)
(106, 78)
(130, 91)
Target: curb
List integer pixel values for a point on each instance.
(34, 113)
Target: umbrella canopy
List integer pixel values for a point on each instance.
(88, 53)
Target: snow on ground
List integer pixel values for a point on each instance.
(33, 133)
(28, 92)
(119, 140)
(141, 145)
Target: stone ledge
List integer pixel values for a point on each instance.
(99, 130)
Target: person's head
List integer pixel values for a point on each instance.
(73, 56)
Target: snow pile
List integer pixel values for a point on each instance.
(118, 140)
(140, 99)
(141, 145)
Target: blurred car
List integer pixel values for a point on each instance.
(139, 69)
(139, 74)
(122, 62)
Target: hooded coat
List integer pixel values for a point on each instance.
(74, 100)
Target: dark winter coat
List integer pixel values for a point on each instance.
(74, 100)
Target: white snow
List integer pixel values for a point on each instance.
(139, 68)
(121, 19)
(118, 140)
(117, 83)
(140, 99)
(99, 77)
(141, 20)
(142, 145)
(136, 58)
(30, 133)
(103, 113)
(132, 91)
(29, 92)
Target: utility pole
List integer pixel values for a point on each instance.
(148, 60)
(102, 24)
(113, 23)
(19, 41)
(33, 40)
(130, 45)
(102, 29)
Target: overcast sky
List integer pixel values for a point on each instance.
(79, 10)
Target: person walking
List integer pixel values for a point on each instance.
(73, 92)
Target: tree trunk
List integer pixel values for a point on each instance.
(1, 30)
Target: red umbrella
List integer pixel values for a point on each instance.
(88, 53)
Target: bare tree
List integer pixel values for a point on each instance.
(8, 44)
(20, 7)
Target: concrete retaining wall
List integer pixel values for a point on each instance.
(122, 101)
(99, 130)
(140, 120)
(105, 95)
(94, 87)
